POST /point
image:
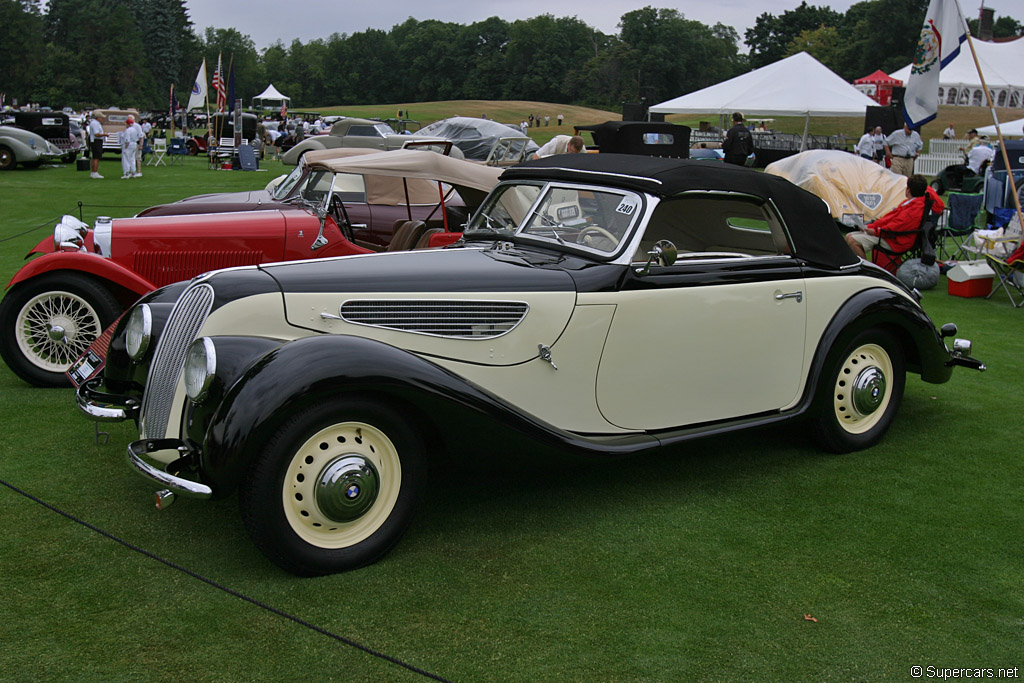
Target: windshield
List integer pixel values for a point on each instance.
(348, 187)
(592, 218)
(285, 187)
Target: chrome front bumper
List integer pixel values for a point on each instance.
(103, 407)
(138, 458)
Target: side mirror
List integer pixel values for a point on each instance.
(664, 253)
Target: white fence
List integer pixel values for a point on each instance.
(932, 164)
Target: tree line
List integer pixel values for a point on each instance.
(84, 53)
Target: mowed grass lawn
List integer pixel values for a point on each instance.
(740, 558)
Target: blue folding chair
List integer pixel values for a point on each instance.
(178, 150)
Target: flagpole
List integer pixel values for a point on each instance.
(995, 119)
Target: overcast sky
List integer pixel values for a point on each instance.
(266, 21)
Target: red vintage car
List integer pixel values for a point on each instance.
(81, 280)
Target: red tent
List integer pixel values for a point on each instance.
(883, 84)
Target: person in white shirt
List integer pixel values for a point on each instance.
(561, 144)
(129, 140)
(979, 155)
(866, 145)
(138, 151)
(96, 135)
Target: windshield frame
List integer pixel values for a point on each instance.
(480, 228)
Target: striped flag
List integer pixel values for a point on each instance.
(220, 86)
(941, 34)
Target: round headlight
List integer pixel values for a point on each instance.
(200, 367)
(139, 332)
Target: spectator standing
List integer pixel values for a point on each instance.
(739, 143)
(879, 140)
(866, 145)
(547, 120)
(96, 135)
(141, 133)
(560, 117)
(129, 139)
(901, 148)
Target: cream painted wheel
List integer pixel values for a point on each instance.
(342, 485)
(861, 393)
(863, 388)
(334, 487)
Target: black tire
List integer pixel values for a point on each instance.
(334, 488)
(34, 312)
(193, 148)
(860, 393)
(69, 158)
(7, 159)
(938, 186)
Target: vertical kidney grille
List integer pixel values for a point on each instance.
(164, 267)
(186, 319)
(467, 319)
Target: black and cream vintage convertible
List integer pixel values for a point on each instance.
(598, 304)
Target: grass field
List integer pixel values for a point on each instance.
(695, 563)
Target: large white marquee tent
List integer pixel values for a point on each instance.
(799, 85)
(272, 96)
(1001, 64)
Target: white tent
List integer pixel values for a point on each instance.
(960, 85)
(795, 86)
(271, 94)
(1008, 128)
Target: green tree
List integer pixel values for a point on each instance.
(824, 44)
(881, 34)
(238, 54)
(21, 34)
(1003, 27)
(770, 36)
(487, 42)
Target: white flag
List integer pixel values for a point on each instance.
(941, 34)
(198, 96)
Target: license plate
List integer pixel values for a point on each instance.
(85, 368)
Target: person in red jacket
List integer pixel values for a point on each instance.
(900, 224)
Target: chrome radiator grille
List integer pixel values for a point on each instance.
(186, 319)
(459, 319)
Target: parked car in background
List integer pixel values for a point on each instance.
(114, 121)
(78, 281)
(351, 132)
(54, 126)
(19, 146)
(599, 304)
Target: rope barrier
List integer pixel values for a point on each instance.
(229, 591)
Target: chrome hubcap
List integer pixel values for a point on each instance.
(868, 390)
(58, 334)
(346, 488)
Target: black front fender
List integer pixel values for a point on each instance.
(312, 370)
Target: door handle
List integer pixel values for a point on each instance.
(799, 296)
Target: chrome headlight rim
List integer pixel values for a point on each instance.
(139, 332)
(200, 369)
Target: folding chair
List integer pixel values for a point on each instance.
(178, 150)
(926, 232)
(1009, 273)
(962, 211)
(159, 150)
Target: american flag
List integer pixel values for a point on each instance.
(219, 86)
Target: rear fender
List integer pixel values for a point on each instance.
(925, 352)
(83, 262)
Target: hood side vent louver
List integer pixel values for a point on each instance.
(455, 319)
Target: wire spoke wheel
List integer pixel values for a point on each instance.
(54, 328)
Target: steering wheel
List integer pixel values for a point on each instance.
(586, 238)
(337, 208)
